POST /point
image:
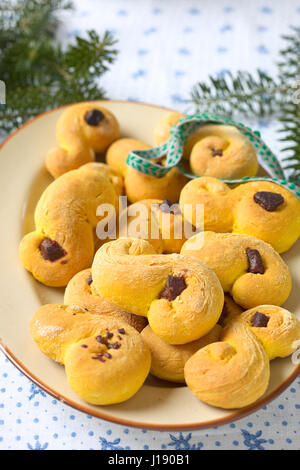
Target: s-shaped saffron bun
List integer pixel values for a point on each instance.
(249, 269)
(80, 291)
(63, 242)
(139, 186)
(180, 295)
(235, 372)
(168, 360)
(106, 360)
(82, 130)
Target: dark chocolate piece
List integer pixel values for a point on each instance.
(268, 201)
(260, 320)
(255, 262)
(109, 356)
(109, 335)
(217, 153)
(89, 280)
(84, 346)
(166, 206)
(51, 250)
(175, 285)
(93, 117)
(113, 346)
(101, 339)
(122, 331)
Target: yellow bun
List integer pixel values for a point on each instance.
(181, 296)
(65, 219)
(168, 360)
(161, 131)
(213, 194)
(280, 228)
(158, 222)
(229, 256)
(235, 372)
(117, 152)
(80, 291)
(108, 172)
(106, 360)
(222, 152)
(281, 333)
(137, 185)
(245, 210)
(78, 140)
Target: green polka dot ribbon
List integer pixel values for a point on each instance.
(147, 161)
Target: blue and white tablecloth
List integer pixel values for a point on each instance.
(165, 47)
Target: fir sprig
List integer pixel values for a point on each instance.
(39, 74)
(239, 94)
(289, 73)
(260, 95)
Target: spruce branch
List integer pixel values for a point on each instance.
(289, 73)
(40, 74)
(241, 94)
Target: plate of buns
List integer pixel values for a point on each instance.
(117, 299)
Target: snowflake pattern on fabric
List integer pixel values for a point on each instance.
(106, 445)
(34, 390)
(183, 442)
(165, 48)
(252, 440)
(37, 445)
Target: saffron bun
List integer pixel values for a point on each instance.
(117, 152)
(215, 197)
(63, 242)
(106, 360)
(222, 152)
(161, 132)
(250, 270)
(262, 209)
(235, 372)
(281, 332)
(139, 186)
(82, 130)
(80, 291)
(159, 222)
(168, 360)
(109, 173)
(180, 295)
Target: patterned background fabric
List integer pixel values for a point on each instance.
(165, 47)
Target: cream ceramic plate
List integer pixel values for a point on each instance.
(158, 405)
